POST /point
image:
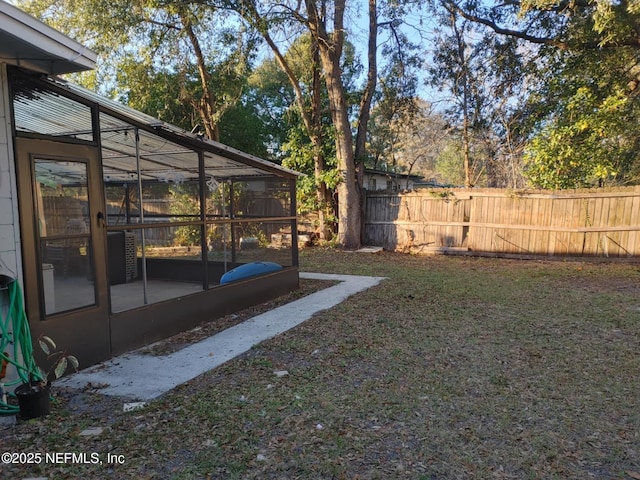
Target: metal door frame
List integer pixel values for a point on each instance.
(84, 332)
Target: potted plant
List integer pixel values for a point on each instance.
(34, 395)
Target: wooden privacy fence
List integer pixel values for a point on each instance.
(602, 222)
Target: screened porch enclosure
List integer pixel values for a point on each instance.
(125, 212)
(184, 226)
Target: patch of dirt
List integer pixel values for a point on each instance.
(207, 329)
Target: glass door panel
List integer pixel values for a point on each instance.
(64, 233)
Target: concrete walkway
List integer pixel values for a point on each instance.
(144, 377)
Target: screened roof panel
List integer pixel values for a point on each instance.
(221, 167)
(41, 111)
(119, 170)
(162, 149)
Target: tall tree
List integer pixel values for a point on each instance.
(486, 75)
(454, 68)
(330, 37)
(305, 112)
(269, 22)
(156, 38)
(580, 116)
(326, 22)
(395, 103)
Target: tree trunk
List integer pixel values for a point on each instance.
(323, 196)
(349, 215)
(364, 113)
(330, 50)
(466, 152)
(312, 119)
(464, 79)
(349, 226)
(367, 96)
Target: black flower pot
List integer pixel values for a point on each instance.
(33, 400)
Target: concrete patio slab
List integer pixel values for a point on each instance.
(122, 375)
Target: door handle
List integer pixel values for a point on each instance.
(101, 220)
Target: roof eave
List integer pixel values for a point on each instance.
(27, 42)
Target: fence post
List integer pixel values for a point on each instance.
(363, 213)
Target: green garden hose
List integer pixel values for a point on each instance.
(16, 339)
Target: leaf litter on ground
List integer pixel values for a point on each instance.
(453, 367)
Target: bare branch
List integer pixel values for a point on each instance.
(564, 6)
(453, 7)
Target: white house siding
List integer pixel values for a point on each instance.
(9, 231)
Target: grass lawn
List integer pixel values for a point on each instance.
(452, 368)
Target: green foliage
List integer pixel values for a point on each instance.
(299, 156)
(242, 127)
(316, 160)
(184, 204)
(159, 93)
(178, 62)
(185, 201)
(300, 152)
(444, 195)
(254, 230)
(174, 91)
(585, 123)
(60, 360)
(449, 164)
(598, 22)
(270, 96)
(584, 151)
